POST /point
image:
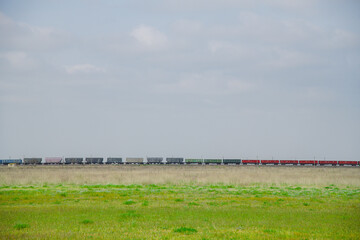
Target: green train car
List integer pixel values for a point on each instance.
(193, 161)
(212, 161)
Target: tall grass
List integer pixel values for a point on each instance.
(120, 174)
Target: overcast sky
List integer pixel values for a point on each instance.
(208, 78)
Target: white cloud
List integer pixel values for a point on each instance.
(22, 36)
(18, 60)
(149, 37)
(209, 83)
(84, 68)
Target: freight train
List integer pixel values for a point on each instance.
(173, 160)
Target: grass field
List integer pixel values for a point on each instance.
(81, 203)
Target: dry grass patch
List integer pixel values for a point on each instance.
(125, 174)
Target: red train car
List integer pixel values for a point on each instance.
(353, 163)
(294, 162)
(308, 162)
(250, 161)
(275, 162)
(327, 162)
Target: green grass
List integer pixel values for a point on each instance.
(179, 212)
(19, 226)
(87, 221)
(185, 230)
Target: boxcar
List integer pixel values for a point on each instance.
(133, 160)
(212, 161)
(308, 162)
(193, 161)
(231, 161)
(53, 160)
(175, 160)
(154, 160)
(74, 160)
(114, 160)
(323, 162)
(94, 160)
(268, 162)
(9, 160)
(289, 162)
(248, 161)
(352, 163)
(32, 160)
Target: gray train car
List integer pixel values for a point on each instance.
(32, 160)
(154, 160)
(133, 160)
(212, 161)
(10, 160)
(193, 161)
(114, 160)
(175, 160)
(94, 160)
(73, 160)
(53, 160)
(232, 161)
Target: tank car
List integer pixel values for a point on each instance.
(32, 160)
(53, 160)
(154, 160)
(134, 160)
(114, 160)
(94, 160)
(73, 160)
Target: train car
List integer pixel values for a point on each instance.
(114, 160)
(94, 160)
(154, 160)
(193, 161)
(308, 162)
(212, 161)
(269, 162)
(348, 163)
(32, 160)
(289, 162)
(232, 161)
(73, 160)
(53, 160)
(175, 160)
(11, 160)
(133, 160)
(325, 162)
(250, 161)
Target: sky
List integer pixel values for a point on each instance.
(217, 78)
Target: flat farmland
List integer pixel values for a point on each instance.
(179, 202)
(179, 174)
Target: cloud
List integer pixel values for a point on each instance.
(208, 83)
(18, 60)
(149, 37)
(20, 36)
(84, 68)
